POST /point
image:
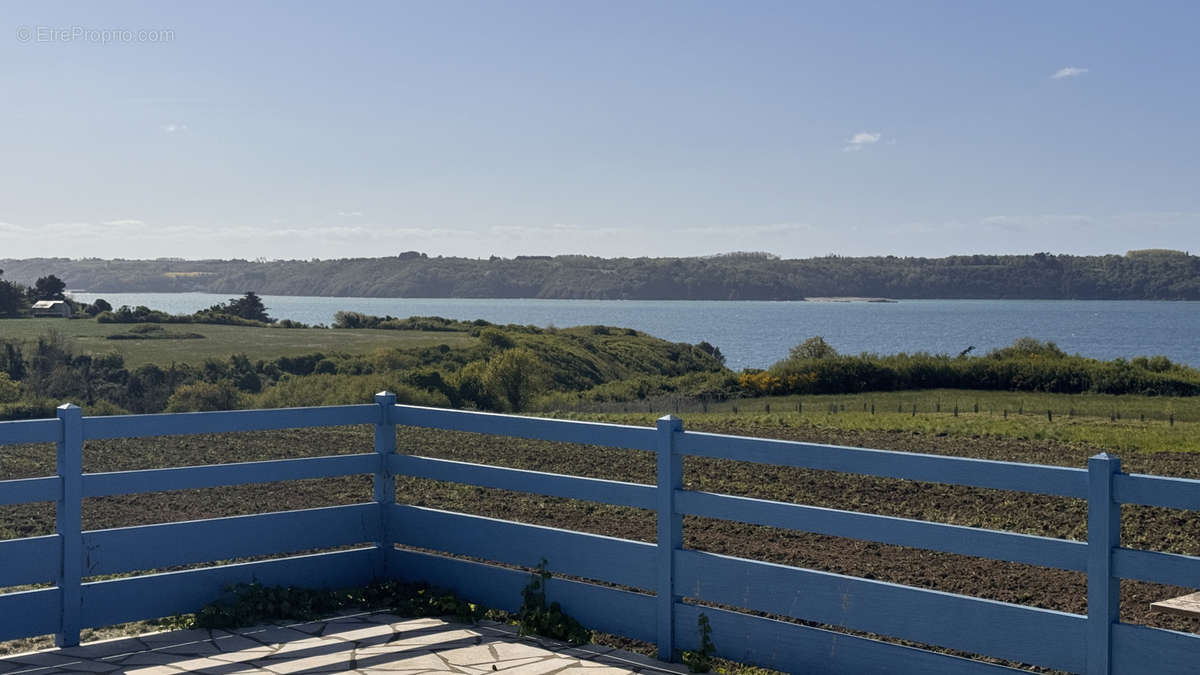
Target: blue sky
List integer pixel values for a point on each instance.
(321, 130)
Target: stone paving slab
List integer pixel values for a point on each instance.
(362, 643)
(1185, 605)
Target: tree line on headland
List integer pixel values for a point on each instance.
(1151, 274)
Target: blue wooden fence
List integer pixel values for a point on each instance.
(666, 572)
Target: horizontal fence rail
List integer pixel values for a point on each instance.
(224, 475)
(25, 490)
(535, 428)
(520, 480)
(29, 431)
(125, 549)
(997, 545)
(28, 560)
(1024, 634)
(1050, 480)
(1172, 493)
(649, 591)
(174, 424)
(621, 561)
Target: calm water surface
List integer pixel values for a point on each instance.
(756, 334)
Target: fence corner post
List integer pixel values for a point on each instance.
(384, 482)
(670, 532)
(68, 523)
(1104, 535)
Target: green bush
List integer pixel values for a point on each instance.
(1026, 365)
(496, 339)
(205, 396)
(103, 407)
(333, 389)
(10, 391)
(28, 409)
(514, 376)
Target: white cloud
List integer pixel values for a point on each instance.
(1069, 71)
(861, 140)
(174, 127)
(350, 214)
(122, 222)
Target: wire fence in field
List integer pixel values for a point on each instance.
(1149, 410)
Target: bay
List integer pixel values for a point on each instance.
(755, 334)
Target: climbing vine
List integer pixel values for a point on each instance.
(536, 618)
(701, 661)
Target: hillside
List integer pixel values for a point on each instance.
(1137, 275)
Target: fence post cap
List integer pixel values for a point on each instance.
(385, 397)
(670, 422)
(1103, 457)
(68, 409)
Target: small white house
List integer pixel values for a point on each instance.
(52, 308)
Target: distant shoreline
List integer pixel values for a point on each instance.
(852, 299)
(80, 291)
(1137, 275)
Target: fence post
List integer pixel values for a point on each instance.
(384, 482)
(68, 523)
(670, 532)
(1103, 589)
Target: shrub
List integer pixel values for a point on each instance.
(469, 380)
(1026, 365)
(205, 396)
(496, 339)
(28, 409)
(10, 392)
(514, 376)
(104, 407)
(812, 348)
(331, 389)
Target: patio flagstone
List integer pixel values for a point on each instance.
(362, 643)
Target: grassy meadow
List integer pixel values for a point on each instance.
(986, 403)
(220, 341)
(1126, 423)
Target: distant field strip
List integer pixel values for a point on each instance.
(220, 341)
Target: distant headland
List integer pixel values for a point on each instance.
(1149, 274)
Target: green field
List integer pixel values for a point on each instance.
(990, 403)
(89, 337)
(1113, 423)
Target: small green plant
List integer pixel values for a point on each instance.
(535, 618)
(248, 604)
(701, 661)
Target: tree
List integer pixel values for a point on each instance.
(12, 361)
(49, 288)
(100, 305)
(12, 297)
(1027, 347)
(712, 350)
(514, 376)
(250, 306)
(812, 348)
